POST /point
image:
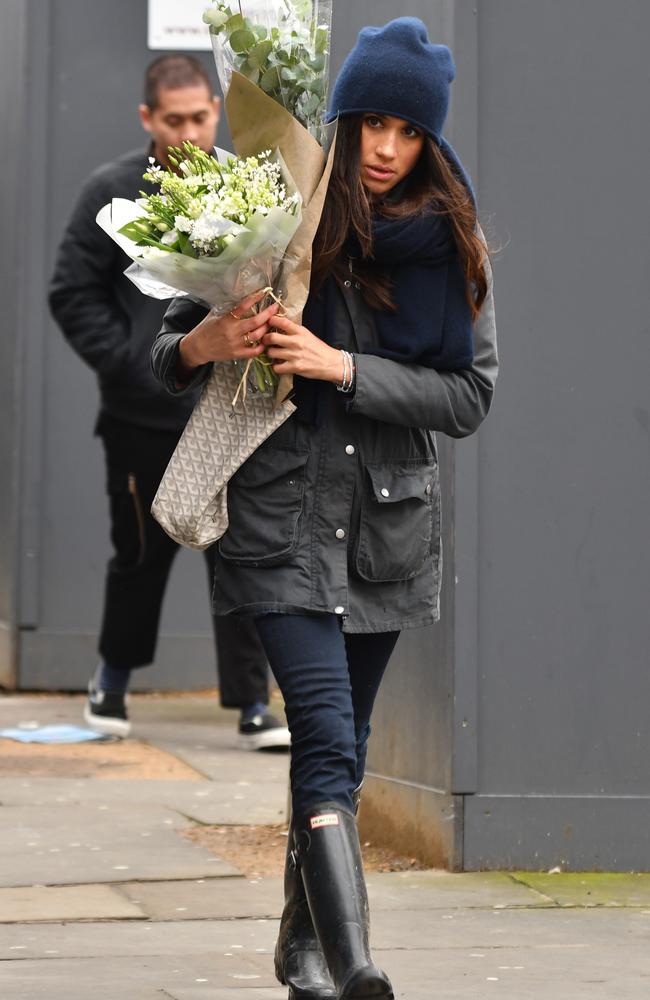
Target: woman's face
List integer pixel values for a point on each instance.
(390, 148)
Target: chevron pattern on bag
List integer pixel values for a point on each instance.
(191, 502)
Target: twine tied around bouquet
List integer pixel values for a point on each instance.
(242, 388)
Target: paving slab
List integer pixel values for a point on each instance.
(464, 931)
(221, 938)
(235, 802)
(435, 890)
(517, 974)
(391, 892)
(76, 902)
(149, 978)
(413, 891)
(520, 928)
(207, 899)
(590, 888)
(101, 843)
(223, 763)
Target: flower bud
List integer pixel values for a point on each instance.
(215, 18)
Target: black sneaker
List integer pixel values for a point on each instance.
(263, 732)
(106, 712)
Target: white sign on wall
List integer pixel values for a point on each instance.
(178, 24)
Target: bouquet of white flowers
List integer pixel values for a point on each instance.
(282, 46)
(217, 230)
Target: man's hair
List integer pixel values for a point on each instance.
(172, 73)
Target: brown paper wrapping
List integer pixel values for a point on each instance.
(257, 122)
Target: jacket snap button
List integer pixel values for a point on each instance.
(340, 533)
(347, 283)
(338, 610)
(349, 449)
(385, 492)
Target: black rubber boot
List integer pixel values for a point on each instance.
(332, 873)
(299, 960)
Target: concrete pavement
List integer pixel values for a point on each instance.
(101, 895)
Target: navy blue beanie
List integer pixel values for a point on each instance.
(397, 71)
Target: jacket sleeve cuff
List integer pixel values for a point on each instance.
(167, 347)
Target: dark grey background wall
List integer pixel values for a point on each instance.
(564, 570)
(516, 732)
(12, 41)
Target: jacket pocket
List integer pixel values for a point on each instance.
(400, 521)
(265, 503)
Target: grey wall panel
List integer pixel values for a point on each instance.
(565, 471)
(185, 661)
(13, 42)
(574, 833)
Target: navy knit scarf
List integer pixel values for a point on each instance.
(432, 325)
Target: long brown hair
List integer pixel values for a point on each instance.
(433, 188)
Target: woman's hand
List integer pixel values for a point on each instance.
(225, 338)
(295, 350)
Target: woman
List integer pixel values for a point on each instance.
(334, 536)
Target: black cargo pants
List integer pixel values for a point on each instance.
(137, 574)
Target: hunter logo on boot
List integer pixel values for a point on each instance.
(327, 819)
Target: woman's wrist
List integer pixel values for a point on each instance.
(335, 370)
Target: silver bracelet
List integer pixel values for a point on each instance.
(349, 373)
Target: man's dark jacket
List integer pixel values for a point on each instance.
(104, 317)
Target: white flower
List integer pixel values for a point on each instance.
(183, 224)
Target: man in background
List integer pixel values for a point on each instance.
(111, 325)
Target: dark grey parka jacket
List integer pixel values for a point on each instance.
(345, 517)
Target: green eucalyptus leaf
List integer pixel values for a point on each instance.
(260, 53)
(310, 106)
(249, 71)
(270, 80)
(260, 31)
(318, 63)
(321, 40)
(288, 74)
(242, 40)
(235, 23)
(316, 87)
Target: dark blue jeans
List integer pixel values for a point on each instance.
(329, 682)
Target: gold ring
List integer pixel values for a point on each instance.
(234, 316)
(247, 341)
